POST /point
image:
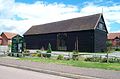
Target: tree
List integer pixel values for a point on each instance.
(9, 47)
(109, 46)
(49, 50)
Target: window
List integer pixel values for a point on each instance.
(61, 41)
(101, 26)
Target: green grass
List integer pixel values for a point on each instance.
(109, 66)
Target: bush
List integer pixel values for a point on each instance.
(114, 60)
(38, 55)
(60, 57)
(9, 54)
(26, 51)
(48, 55)
(26, 54)
(104, 60)
(38, 51)
(88, 59)
(118, 60)
(33, 54)
(12, 54)
(19, 55)
(49, 50)
(75, 55)
(111, 60)
(97, 59)
(93, 59)
(117, 49)
(44, 54)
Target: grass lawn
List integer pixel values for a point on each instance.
(109, 66)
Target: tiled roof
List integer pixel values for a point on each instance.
(113, 35)
(0, 37)
(9, 35)
(75, 24)
(0, 40)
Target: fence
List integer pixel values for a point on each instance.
(4, 49)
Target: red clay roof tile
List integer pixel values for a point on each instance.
(9, 35)
(113, 35)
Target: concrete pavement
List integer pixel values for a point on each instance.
(62, 70)
(13, 73)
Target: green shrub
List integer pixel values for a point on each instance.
(88, 59)
(19, 55)
(26, 54)
(26, 51)
(111, 60)
(9, 54)
(44, 54)
(12, 54)
(38, 51)
(118, 60)
(49, 50)
(48, 55)
(114, 60)
(97, 59)
(60, 57)
(117, 49)
(38, 55)
(93, 59)
(33, 54)
(75, 55)
(75, 52)
(104, 60)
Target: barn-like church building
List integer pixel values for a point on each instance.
(86, 34)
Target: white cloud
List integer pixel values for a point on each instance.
(110, 13)
(19, 17)
(6, 9)
(39, 10)
(32, 14)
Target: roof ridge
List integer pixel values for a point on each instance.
(69, 19)
(9, 35)
(69, 25)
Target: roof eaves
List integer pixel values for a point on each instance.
(98, 21)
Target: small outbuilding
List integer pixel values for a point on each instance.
(17, 44)
(115, 39)
(6, 38)
(85, 34)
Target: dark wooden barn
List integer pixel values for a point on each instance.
(86, 34)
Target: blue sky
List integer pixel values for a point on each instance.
(19, 15)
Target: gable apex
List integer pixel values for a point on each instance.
(101, 24)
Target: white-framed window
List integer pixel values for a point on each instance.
(101, 26)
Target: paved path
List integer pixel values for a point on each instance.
(13, 73)
(98, 73)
